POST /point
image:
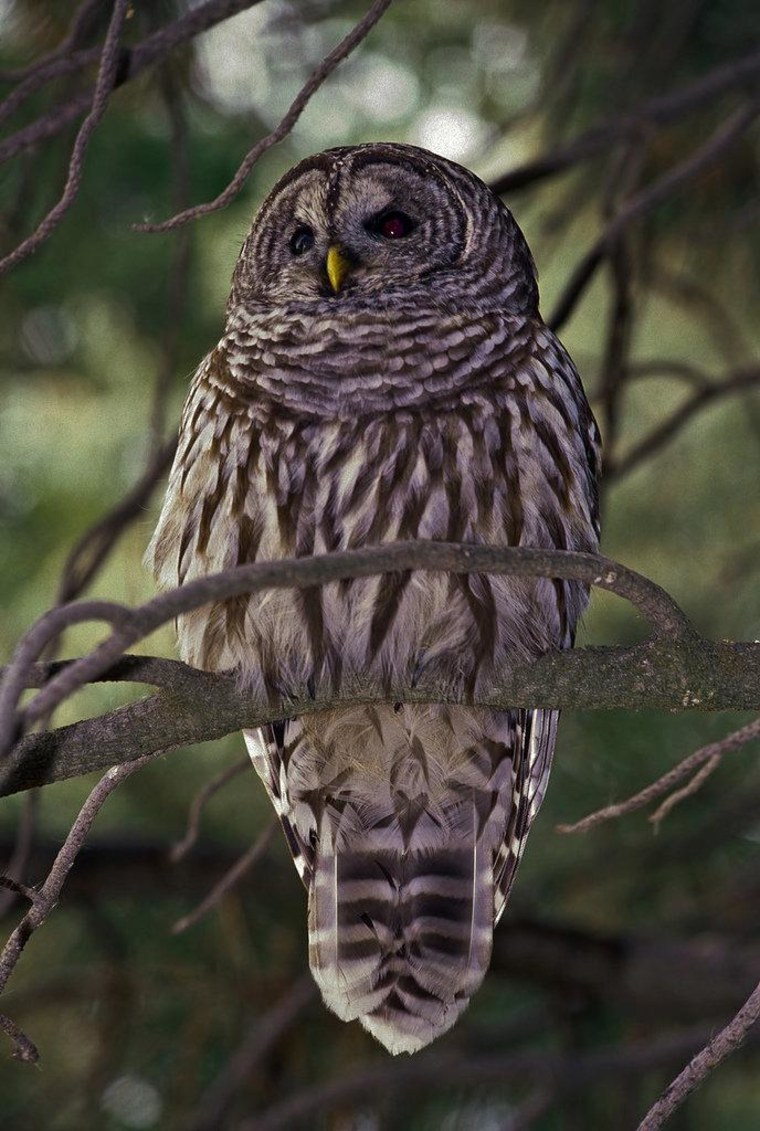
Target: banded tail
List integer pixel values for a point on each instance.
(400, 940)
(408, 852)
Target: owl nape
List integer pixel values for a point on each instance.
(384, 375)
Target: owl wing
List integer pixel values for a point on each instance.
(269, 749)
(534, 739)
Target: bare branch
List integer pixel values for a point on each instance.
(727, 1041)
(696, 762)
(687, 790)
(310, 87)
(132, 624)
(199, 707)
(25, 1050)
(648, 199)
(103, 86)
(199, 802)
(228, 881)
(48, 894)
(659, 111)
(132, 62)
(740, 382)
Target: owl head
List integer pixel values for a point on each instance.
(379, 223)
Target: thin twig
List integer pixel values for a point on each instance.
(687, 790)
(727, 1041)
(25, 1050)
(132, 62)
(310, 87)
(691, 764)
(181, 847)
(648, 199)
(228, 880)
(740, 382)
(109, 61)
(660, 110)
(17, 888)
(48, 894)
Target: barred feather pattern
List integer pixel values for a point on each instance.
(424, 400)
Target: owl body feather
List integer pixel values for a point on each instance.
(320, 423)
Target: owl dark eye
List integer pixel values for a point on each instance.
(392, 225)
(301, 240)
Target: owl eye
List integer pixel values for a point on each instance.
(391, 225)
(301, 240)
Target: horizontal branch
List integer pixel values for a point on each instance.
(130, 625)
(193, 706)
(675, 669)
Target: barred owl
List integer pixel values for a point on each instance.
(384, 375)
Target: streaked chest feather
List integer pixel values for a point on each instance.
(254, 484)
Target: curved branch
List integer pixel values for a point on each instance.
(282, 129)
(727, 1041)
(648, 199)
(109, 60)
(131, 625)
(661, 110)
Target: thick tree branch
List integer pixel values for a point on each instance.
(198, 706)
(131, 625)
(675, 668)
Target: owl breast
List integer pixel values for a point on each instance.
(496, 460)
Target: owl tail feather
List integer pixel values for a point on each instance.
(400, 940)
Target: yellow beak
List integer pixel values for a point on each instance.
(337, 267)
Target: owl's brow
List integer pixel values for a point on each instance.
(334, 179)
